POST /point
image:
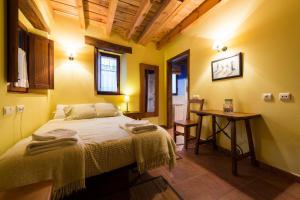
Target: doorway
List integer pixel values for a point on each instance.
(178, 81)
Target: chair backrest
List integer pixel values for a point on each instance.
(198, 102)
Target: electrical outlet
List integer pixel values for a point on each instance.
(20, 108)
(286, 96)
(8, 110)
(267, 96)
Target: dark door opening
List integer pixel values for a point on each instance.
(178, 69)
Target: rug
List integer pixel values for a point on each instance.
(154, 189)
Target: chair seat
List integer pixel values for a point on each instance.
(186, 123)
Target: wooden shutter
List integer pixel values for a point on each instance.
(12, 40)
(41, 72)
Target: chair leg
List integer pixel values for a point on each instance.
(186, 133)
(174, 132)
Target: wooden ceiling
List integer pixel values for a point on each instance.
(140, 20)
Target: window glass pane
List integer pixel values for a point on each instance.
(174, 84)
(108, 80)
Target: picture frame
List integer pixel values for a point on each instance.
(229, 67)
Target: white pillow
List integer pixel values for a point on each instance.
(59, 112)
(80, 111)
(106, 110)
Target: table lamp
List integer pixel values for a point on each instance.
(126, 99)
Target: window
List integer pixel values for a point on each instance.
(174, 84)
(108, 73)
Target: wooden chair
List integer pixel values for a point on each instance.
(187, 124)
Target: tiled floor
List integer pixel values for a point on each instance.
(208, 176)
(205, 176)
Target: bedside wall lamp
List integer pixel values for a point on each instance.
(126, 99)
(71, 57)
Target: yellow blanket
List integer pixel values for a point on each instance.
(153, 149)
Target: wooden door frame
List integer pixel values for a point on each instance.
(169, 85)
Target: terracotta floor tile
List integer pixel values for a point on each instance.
(266, 190)
(238, 195)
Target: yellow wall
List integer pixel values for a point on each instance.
(74, 80)
(267, 32)
(36, 103)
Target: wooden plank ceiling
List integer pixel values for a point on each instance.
(140, 20)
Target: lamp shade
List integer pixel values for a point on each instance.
(126, 98)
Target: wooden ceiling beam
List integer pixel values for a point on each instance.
(107, 46)
(140, 16)
(198, 12)
(82, 18)
(112, 8)
(167, 8)
(33, 14)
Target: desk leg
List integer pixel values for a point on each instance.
(233, 148)
(186, 136)
(198, 134)
(214, 132)
(250, 142)
(174, 132)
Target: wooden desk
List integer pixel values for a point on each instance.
(232, 118)
(36, 191)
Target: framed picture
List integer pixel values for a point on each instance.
(229, 67)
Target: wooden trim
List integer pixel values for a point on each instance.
(12, 40)
(96, 60)
(118, 74)
(112, 8)
(51, 64)
(167, 7)
(83, 21)
(169, 85)
(22, 26)
(12, 88)
(107, 46)
(143, 83)
(198, 12)
(140, 16)
(33, 14)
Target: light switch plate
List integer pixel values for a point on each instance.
(267, 96)
(8, 110)
(20, 108)
(285, 96)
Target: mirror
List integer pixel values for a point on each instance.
(149, 78)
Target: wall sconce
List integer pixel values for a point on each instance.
(219, 46)
(71, 57)
(126, 99)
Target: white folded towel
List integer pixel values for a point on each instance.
(140, 128)
(137, 123)
(36, 147)
(54, 135)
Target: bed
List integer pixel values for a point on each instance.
(103, 147)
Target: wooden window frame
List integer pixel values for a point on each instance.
(98, 55)
(176, 94)
(143, 85)
(21, 27)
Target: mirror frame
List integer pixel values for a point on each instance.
(143, 68)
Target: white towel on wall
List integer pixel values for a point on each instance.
(22, 70)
